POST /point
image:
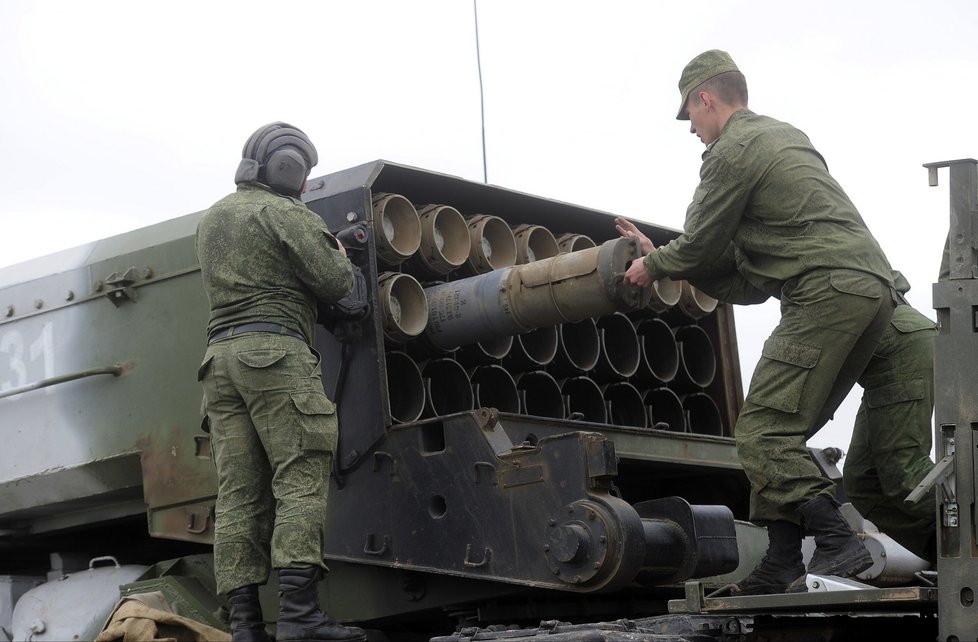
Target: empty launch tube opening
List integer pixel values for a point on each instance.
(659, 352)
(665, 294)
(404, 307)
(578, 347)
(491, 244)
(573, 242)
(533, 243)
(397, 228)
(585, 401)
(625, 405)
(540, 395)
(405, 389)
(493, 387)
(619, 357)
(447, 388)
(694, 302)
(444, 239)
(665, 410)
(703, 415)
(532, 350)
(697, 360)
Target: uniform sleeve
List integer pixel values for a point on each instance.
(712, 219)
(721, 280)
(733, 289)
(313, 254)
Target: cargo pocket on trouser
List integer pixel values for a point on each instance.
(780, 377)
(858, 283)
(900, 425)
(769, 458)
(317, 421)
(302, 482)
(257, 372)
(894, 393)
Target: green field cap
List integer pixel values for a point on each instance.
(700, 69)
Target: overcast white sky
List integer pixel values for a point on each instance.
(118, 114)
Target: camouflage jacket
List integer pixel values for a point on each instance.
(265, 257)
(765, 191)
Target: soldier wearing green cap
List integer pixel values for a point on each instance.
(768, 219)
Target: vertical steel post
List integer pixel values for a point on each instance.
(956, 407)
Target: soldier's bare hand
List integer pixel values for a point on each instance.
(637, 275)
(339, 246)
(628, 229)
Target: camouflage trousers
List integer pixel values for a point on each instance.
(831, 321)
(891, 441)
(273, 435)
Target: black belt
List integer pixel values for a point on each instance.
(245, 328)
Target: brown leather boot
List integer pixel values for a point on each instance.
(299, 616)
(781, 565)
(247, 623)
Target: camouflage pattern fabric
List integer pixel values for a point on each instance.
(891, 441)
(766, 190)
(268, 258)
(831, 321)
(767, 218)
(273, 434)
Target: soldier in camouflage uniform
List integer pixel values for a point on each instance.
(767, 219)
(266, 261)
(889, 453)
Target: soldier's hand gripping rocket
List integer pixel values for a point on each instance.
(636, 274)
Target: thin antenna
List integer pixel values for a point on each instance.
(482, 104)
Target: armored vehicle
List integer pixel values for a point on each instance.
(525, 443)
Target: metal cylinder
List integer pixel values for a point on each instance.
(564, 288)
(491, 244)
(619, 355)
(658, 353)
(684, 540)
(584, 400)
(695, 303)
(444, 240)
(403, 306)
(697, 359)
(666, 293)
(493, 387)
(625, 404)
(702, 414)
(485, 352)
(405, 388)
(447, 387)
(665, 410)
(539, 395)
(570, 242)
(578, 348)
(532, 350)
(397, 228)
(534, 243)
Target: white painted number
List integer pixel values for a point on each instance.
(30, 365)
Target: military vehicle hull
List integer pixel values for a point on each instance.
(520, 438)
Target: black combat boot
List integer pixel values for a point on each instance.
(247, 624)
(781, 565)
(299, 616)
(838, 551)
